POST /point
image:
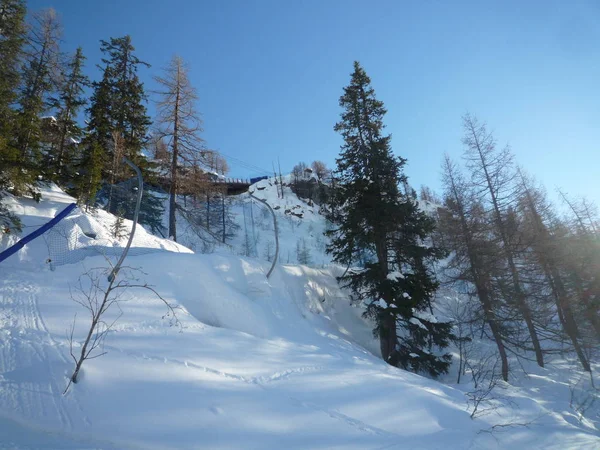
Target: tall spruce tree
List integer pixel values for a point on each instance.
(67, 103)
(12, 38)
(118, 106)
(127, 110)
(89, 175)
(374, 217)
(38, 76)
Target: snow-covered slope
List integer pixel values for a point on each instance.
(258, 364)
(299, 224)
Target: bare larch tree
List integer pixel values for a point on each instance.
(180, 124)
(465, 238)
(492, 174)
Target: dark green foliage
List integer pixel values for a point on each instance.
(124, 196)
(99, 122)
(12, 38)
(9, 223)
(118, 121)
(303, 252)
(151, 212)
(37, 83)
(118, 227)
(67, 103)
(119, 105)
(374, 218)
(89, 176)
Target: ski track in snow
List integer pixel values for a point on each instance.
(25, 333)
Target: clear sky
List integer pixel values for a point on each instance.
(269, 74)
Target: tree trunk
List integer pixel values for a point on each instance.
(207, 211)
(223, 216)
(175, 157)
(482, 291)
(547, 261)
(570, 325)
(490, 318)
(388, 338)
(521, 301)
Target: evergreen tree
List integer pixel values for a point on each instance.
(89, 176)
(100, 124)
(126, 93)
(117, 106)
(118, 227)
(374, 216)
(303, 252)
(12, 32)
(38, 77)
(9, 222)
(124, 195)
(12, 37)
(152, 210)
(269, 252)
(67, 103)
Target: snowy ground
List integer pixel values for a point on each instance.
(255, 220)
(259, 364)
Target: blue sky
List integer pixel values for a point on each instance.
(269, 74)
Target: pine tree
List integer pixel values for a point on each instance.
(37, 83)
(100, 125)
(67, 103)
(89, 176)
(269, 252)
(117, 106)
(126, 95)
(303, 252)
(124, 195)
(12, 37)
(118, 227)
(375, 217)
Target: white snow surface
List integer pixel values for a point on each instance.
(417, 322)
(293, 230)
(283, 363)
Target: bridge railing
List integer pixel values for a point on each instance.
(232, 181)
